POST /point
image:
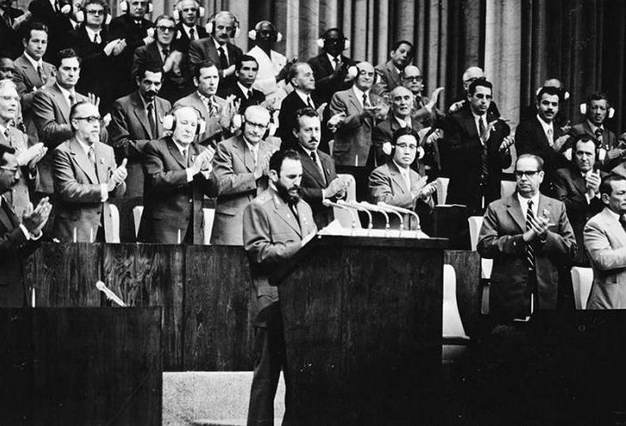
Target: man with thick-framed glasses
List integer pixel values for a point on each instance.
(528, 235)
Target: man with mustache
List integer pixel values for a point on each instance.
(389, 73)
(276, 224)
(218, 49)
(135, 120)
(540, 135)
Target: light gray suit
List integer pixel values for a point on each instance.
(19, 195)
(233, 176)
(605, 241)
(214, 129)
(77, 185)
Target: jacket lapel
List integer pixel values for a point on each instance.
(311, 168)
(101, 167)
(60, 100)
(285, 213)
(176, 153)
(80, 158)
(140, 113)
(396, 176)
(515, 210)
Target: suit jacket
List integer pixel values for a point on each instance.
(202, 49)
(182, 39)
(353, 138)
(386, 184)
(10, 40)
(388, 78)
(171, 204)
(129, 132)
(175, 84)
(465, 149)
(327, 84)
(214, 131)
(233, 177)
(27, 80)
(570, 187)
(613, 155)
(95, 67)
(501, 239)
(313, 181)
(59, 27)
(19, 194)
(271, 235)
(51, 114)
(14, 249)
(605, 241)
(287, 118)
(257, 97)
(383, 133)
(124, 27)
(78, 195)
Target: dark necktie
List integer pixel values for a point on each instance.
(151, 120)
(192, 35)
(294, 210)
(97, 39)
(6, 135)
(42, 77)
(530, 250)
(598, 134)
(309, 102)
(622, 220)
(335, 63)
(223, 58)
(8, 20)
(166, 53)
(484, 167)
(72, 98)
(249, 95)
(314, 158)
(366, 102)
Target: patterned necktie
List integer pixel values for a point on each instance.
(598, 134)
(42, 77)
(484, 165)
(530, 250)
(72, 98)
(314, 158)
(366, 102)
(192, 35)
(223, 58)
(151, 120)
(91, 155)
(97, 39)
(550, 134)
(309, 102)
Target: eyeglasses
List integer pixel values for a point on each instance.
(91, 119)
(412, 147)
(189, 9)
(414, 78)
(257, 125)
(97, 12)
(527, 173)
(165, 29)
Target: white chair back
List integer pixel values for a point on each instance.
(452, 324)
(507, 188)
(137, 212)
(115, 224)
(442, 190)
(348, 217)
(582, 279)
(475, 223)
(208, 215)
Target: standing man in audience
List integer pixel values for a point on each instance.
(605, 241)
(217, 112)
(51, 112)
(578, 186)
(240, 170)
(330, 67)
(319, 179)
(135, 120)
(19, 195)
(131, 27)
(271, 63)
(55, 16)
(423, 108)
(177, 179)
(528, 236)
(85, 178)
(470, 75)
(610, 155)
(396, 183)
(363, 110)
(540, 135)
(164, 53)
(478, 145)
(33, 73)
(400, 117)
(389, 74)
(276, 224)
(189, 28)
(19, 237)
(11, 19)
(218, 49)
(243, 91)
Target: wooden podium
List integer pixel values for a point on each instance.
(363, 330)
(81, 366)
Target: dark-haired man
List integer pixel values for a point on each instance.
(51, 14)
(11, 19)
(135, 120)
(85, 178)
(605, 241)
(246, 70)
(529, 236)
(389, 74)
(276, 224)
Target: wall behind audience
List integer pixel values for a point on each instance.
(519, 43)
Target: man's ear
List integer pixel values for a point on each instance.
(273, 175)
(295, 133)
(196, 82)
(605, 198)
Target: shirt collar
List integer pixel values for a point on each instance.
(217, 45)
(402, 122)
(545, 125)
(244, 89)
(524, 201)
(359, 93)
(35, 63)
(181, 147)
(85, 146)
(205, 99)
(251, 147)
(403, 170)
(303, 96)
(91, 33)
(594, 127)
(66, 93)
(332, 58)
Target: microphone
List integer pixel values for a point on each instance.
(328, 203)
(109, 294)
(372, 207)
(356, 206)
(403, 211)
(383, 209)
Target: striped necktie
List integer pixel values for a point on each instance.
(530, 250)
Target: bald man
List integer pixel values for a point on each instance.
(470, 75)
(363, 110)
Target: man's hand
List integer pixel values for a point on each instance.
(434, 97)
(262, 165)
(106, 120)
(228, 112)
(118, 176)
(93, 99)
(335, 121)
(111, 47)
(32, 155)
(119, 47)
(228, 71)
(321, 108)
(201, 160)
(150, 37)
(335, 187)
(282, 74)
(506, 143)
(559, 142)
(17, 22)
(35, 219)
(538, 229)
(592, 183)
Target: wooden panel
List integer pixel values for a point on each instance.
(363, 331)
(151, 275)
(468, 290)
(65, 274)
(216, 322)
(78, 366)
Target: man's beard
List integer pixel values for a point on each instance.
(283, 192)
